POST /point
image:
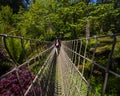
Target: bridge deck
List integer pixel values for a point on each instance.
(58, 80)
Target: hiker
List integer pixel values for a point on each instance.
(57, 45)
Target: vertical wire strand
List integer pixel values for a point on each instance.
(73, 50)
(92, 65)
(76, 52)
(83, 65)
(79, 53)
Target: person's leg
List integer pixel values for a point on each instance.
(56, 50)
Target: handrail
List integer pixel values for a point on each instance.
(20, 37)
(93, 37)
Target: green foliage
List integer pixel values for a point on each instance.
(5, 19)
(16, 50)
(96, 84)
(14, 46)
(14, 4)
(44, 19)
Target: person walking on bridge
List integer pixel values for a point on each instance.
(57, 45)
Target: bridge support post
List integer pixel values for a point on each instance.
(108, 65)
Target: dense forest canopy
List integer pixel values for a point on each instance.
(45, 19)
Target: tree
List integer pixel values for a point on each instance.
(6, 19)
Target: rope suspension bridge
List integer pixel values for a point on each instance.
(69, 73)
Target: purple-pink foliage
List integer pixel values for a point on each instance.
(9, 85)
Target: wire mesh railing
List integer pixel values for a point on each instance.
(97, 59)
(74, 82)
(30, 65)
